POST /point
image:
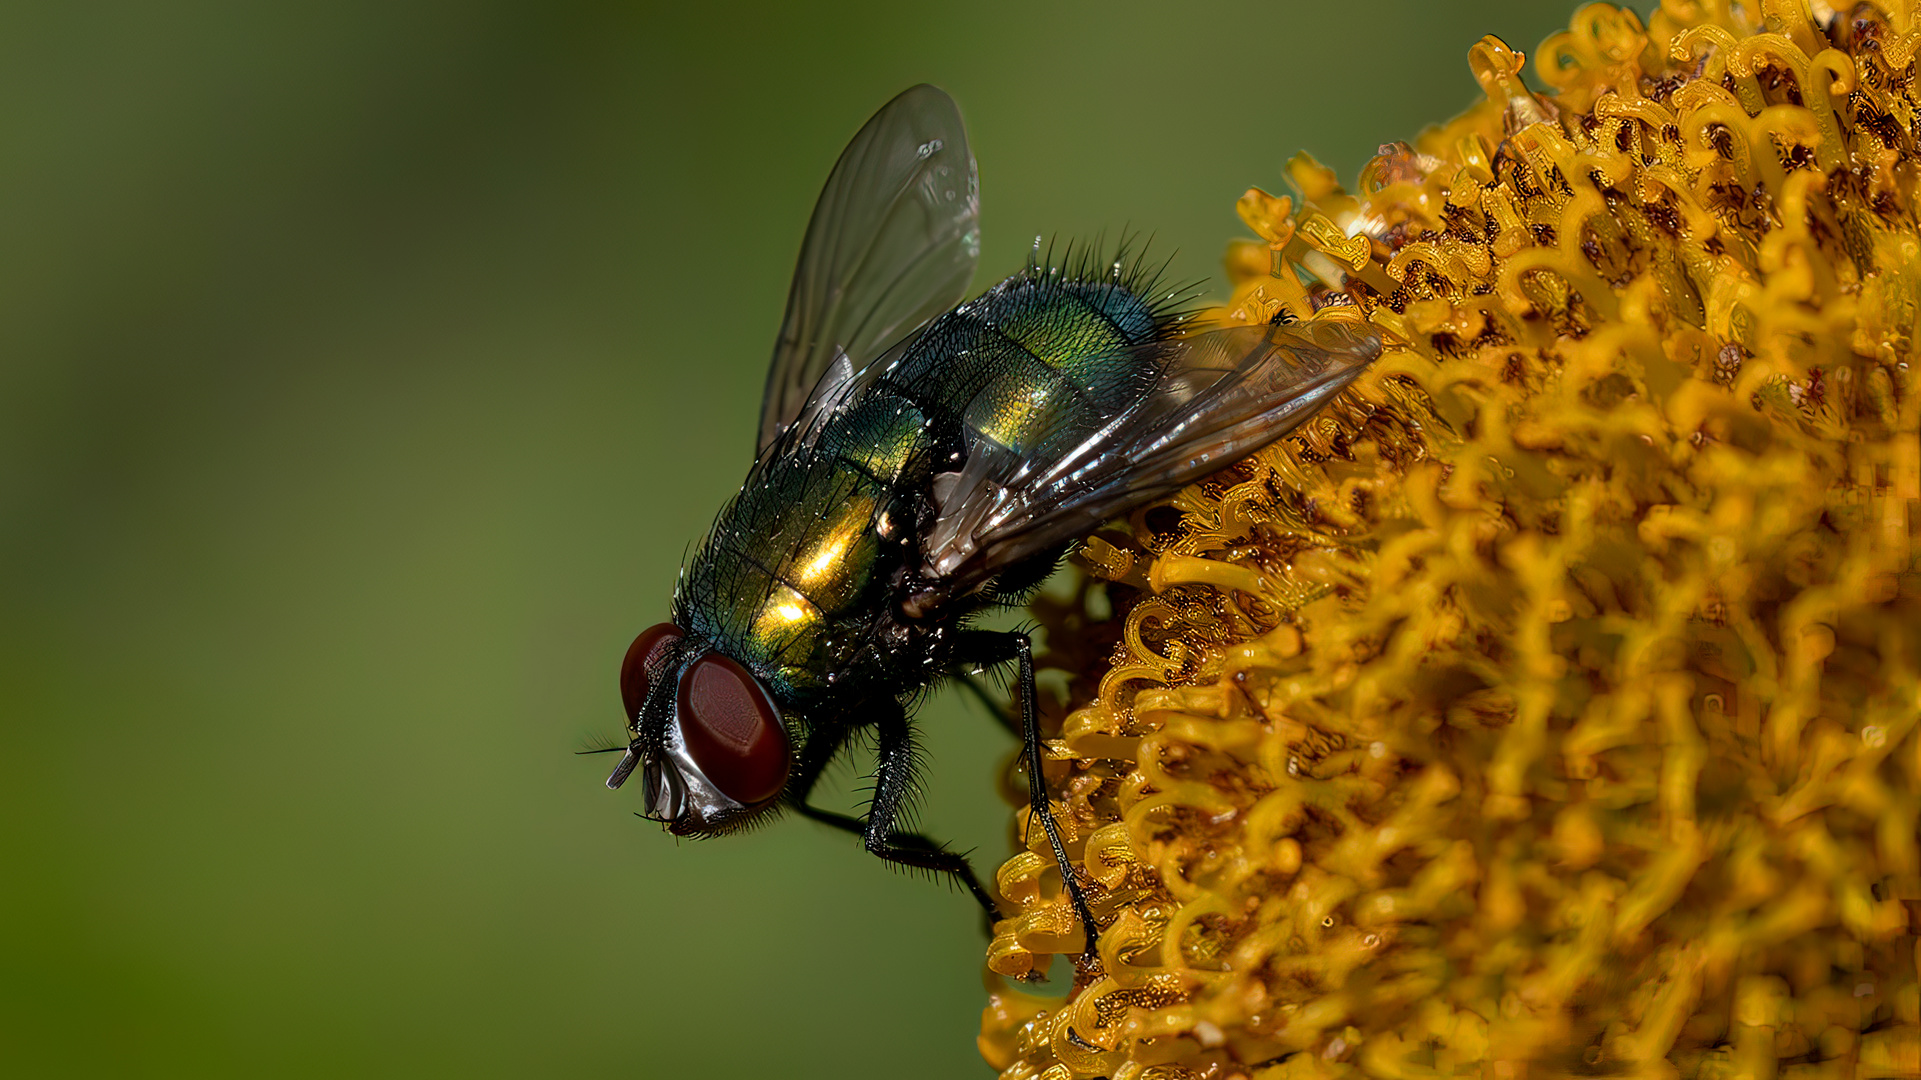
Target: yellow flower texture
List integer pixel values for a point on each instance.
(1548, 705)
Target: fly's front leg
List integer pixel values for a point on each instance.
(823, 746)
(893, 788)
(890, 792)
(996, 647)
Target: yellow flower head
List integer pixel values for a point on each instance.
(1548, 705)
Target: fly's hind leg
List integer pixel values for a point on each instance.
(988, 646)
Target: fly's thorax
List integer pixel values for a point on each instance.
(886, 436)
(799, 567)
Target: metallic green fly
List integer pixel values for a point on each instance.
(922, 460)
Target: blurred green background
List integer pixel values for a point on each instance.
(365, 370)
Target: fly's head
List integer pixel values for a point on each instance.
(704, 733)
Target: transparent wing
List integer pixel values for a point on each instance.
(1215, 397)
(893, 242)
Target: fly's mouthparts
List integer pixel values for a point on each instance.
(663, 793)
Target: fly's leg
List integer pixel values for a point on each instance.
(1037, 791)
(824, 744)
(999, 647)
(893, 786)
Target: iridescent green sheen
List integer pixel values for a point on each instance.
(788, 580)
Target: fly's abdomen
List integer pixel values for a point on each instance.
(1037, 358)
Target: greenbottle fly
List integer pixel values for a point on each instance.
(921, 460)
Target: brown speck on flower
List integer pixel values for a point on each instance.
(1548, 706)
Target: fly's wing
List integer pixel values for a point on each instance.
(893, 242)
(1215, 398)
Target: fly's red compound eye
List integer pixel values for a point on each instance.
(732, 730)
(644, 653)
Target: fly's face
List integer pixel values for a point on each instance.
(705, 734)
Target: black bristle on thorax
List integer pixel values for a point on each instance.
(1128, 267)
